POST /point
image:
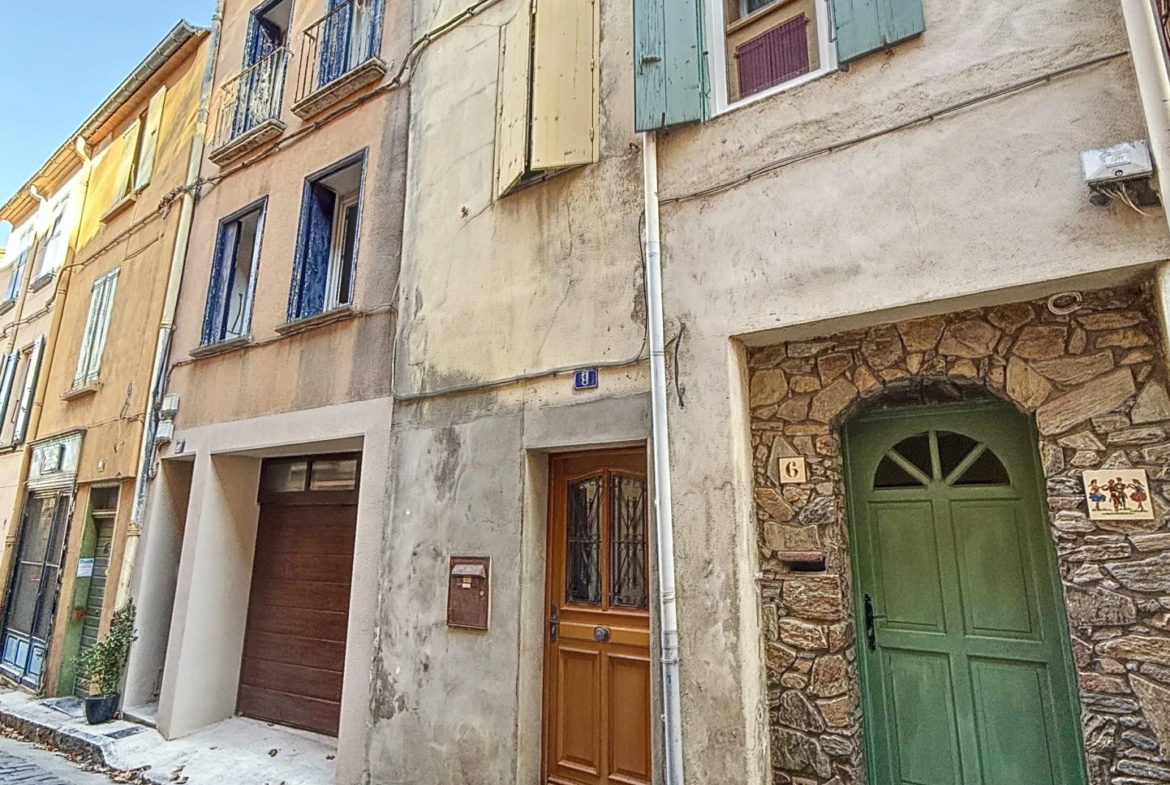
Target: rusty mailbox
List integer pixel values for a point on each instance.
(469, 592)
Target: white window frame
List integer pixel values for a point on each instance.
(337, 248)
(717, 56)
(97, 327)
(49, 255)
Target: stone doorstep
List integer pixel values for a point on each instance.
(237, 746)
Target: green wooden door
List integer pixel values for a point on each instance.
(96, 596)
(967, 676)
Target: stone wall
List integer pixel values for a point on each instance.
(1095, 382)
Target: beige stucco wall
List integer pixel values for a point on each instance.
(338, 363)
(979, 206)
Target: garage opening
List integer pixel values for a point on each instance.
(298, 609)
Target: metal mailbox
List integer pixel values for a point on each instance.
(469, 592)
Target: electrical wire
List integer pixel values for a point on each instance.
(795, 158)
(1121, 194)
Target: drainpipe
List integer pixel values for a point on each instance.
(170, 305)
(668, 613)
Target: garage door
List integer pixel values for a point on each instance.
(294, 648)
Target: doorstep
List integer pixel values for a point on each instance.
(237, 750)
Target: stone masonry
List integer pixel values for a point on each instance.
(1095, 382)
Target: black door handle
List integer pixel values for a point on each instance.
(870, 618)
(553, 625)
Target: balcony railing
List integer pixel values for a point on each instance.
(250, 100)
(340, 44)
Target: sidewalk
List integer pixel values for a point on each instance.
(22, 763)
(238, 751)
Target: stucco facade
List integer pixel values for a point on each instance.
(281, 384)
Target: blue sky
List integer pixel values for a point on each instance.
(59, 59)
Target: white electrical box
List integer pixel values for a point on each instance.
(1125, 161)
(165, 432)
(170, 407)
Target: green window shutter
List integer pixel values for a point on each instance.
(865, 26)
(669, 77)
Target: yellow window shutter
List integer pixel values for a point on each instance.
(512, 101)
(564, 84)
(150, 139)
(126, 162)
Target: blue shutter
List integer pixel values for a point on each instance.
(865, 26)
(669, 75)
(307, 296)
(214, 315)
(335, 39)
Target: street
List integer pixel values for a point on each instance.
(22, 763)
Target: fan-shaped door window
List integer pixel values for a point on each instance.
(939, 456)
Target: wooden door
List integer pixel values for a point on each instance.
(597, 650)
(298, 609)
(95, 597)
(966, 663)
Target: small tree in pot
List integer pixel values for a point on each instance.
(103, 664)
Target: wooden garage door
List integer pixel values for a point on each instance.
(294, 648)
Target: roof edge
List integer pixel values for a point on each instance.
(171, 43)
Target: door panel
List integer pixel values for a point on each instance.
(968, 676)
(1013, 725)
(597, 663)
(298, 614)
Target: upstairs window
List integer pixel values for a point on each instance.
(15, 274)
(139, 143)
(327, 247)
(233, 276)
(771, 44)
(97, 325)
(547, 105)
(54, 246)
(267, 30)
(18, 386)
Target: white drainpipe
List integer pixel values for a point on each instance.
(170, 305)
(668, 613)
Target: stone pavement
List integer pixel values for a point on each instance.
(22, 763)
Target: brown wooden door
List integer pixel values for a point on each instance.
(298, 611)
(597, 651)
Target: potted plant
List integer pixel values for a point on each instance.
(103, 663)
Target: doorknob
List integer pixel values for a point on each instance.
(553, 624)
(601, 634)
(870, 618)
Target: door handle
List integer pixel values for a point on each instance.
(870, 619)
(553, 625)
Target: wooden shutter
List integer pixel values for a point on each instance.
(512, 100)
(126, 162)
(96, 326)
(865, 26)
(10, 364)
(774, 57)
(564, 84)
(150, 139)
(669, 84)
(30, 390)
(311, 274)
(215, 313)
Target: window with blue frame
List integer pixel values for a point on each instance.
(14, 277)
(228, 314)
(327, 245)
(263, 68)
(350, 35)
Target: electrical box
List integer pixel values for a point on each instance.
(1125, 161)
(164, 432)
(469, 592)
(169, 408)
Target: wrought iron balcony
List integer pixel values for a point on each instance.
(339, 55)
(249, 108)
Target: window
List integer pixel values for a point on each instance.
(18, 384)
(349, 35)
(139, 143)
(16, 272)
(762, 47)
(267, 30)
(547, 102)
(327, 247)
(317, 473)
(97, 325)
(53, 247)
(233, 276)
(770, 43)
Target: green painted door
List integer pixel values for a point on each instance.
(96, 598)
(967, 673)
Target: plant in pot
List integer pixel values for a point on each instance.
(103, 663)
